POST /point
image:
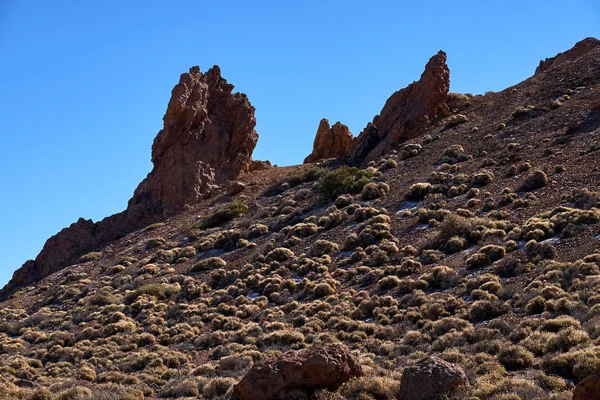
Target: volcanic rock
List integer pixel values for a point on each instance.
(309, 369)
(331, 142)
(235, 187)
(407, 113)
(207, 139)
(588, 389)
(432, 379)
(579, 49)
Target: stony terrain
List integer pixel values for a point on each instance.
(451, 250)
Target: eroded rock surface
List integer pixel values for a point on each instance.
(331, 142)
(588, 389)
(432, 379)
(207, 139)
(407, 112)
(579, 49)
(309, 369)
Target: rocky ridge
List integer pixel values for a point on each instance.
(207, 139)
(473, 253)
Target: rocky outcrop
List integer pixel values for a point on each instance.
(432, 379)
(578, 50)
(207, 139)
(407, 113)
(309, 369)
(207, 129)
(588, 389)
(331, 142)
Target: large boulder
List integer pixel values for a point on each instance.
(579, 49)
(432, 379)
(588, 389)
(407, 113)
(331, 142)
(309, 369)
(207, 139)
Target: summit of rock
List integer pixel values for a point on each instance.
(207, 139)
(580, 48)
(407, 112)
(331, 142)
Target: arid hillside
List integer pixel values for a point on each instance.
(450, 251)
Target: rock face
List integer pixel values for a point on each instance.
(207, 129)
(331, 142)
(309, 369)
(432, 379)
(579, 49)
(588, 389)
(406, 113)
(208, 139)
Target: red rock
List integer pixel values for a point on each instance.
(406, 113)
(578, 50)
(208, 139)
(309, 369)
(588, 389)
(331, 142)
(235, 187)
(432, 379)
(256, 165)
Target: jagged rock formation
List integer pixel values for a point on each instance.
(309, 369)
(407, 112)
(579, 49)
(432, 379)
(331, 142)
(208, 138)
(207, 128)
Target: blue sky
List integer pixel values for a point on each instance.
(84, 84)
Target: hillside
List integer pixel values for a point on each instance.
(457, 226)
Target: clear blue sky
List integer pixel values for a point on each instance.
(84, 84)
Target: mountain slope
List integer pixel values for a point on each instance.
(477, 241)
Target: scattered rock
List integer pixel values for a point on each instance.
(588, 389)
(579, 49)
(432, 379)
(309, 369)
(331, 142)
(406, 113)
(235, 187)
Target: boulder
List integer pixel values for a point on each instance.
(407, 113)
(579, 49)
(331, 142)
(310, 369)
(235, 187)
(588, 389)
(432, 379)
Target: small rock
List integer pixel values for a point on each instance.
(235, 188)
(319, 367)
(432, 379)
